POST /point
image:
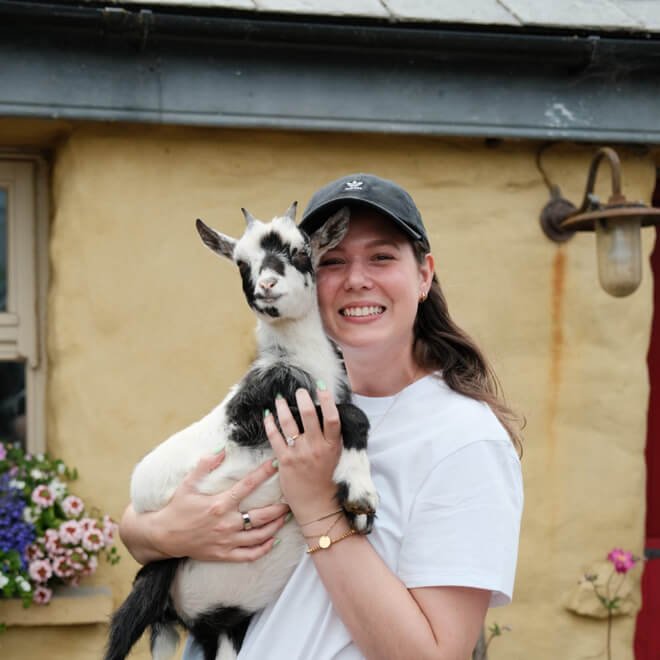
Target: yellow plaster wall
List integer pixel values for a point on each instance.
(147, 330)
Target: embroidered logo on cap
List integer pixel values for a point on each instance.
(356, 184)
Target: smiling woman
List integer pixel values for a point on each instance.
(441, 447)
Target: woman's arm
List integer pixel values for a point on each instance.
(384, 617)
(204, 527)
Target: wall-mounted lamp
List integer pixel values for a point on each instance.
(617, 225)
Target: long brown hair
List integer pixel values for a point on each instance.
(440, 344)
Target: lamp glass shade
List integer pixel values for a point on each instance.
(619, 250)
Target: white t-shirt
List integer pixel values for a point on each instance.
(451, 499)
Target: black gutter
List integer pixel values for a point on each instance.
(141, 25)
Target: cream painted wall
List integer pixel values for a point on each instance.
(147, 330)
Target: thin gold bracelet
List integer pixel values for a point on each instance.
(327, 515)
(325, 541)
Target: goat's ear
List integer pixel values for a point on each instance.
(331, 233)
(291, 211)
(219, 243)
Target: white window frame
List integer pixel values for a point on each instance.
(22, 324)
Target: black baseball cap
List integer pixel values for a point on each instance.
(368, 190)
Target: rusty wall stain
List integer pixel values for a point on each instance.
(556, 346)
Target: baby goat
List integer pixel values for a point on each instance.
(215, 600)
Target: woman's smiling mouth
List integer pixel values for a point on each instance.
(362, 311)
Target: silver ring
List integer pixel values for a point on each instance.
(247, 523)
(291, 440)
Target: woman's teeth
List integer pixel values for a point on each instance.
(362, 311)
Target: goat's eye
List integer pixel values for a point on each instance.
(301, 260)
(242, 266)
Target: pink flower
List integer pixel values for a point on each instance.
(62, 567)
(42, 595)
(109, 531)
(3, 452)
(40, 570)
(623, 561)
(33, 552)
(92, 540)
(88, 523)
(92, 565)
(72, 506)
(43, 496)
(53, 543)
(70, 531)
(77, 558)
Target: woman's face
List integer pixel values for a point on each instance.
(370, 284)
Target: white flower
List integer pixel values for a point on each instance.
(4, 580)
(25, 586)
(17, 484)
(61, 468)
(39, 457)
(37, 474)
(58, 487)
(29, 515)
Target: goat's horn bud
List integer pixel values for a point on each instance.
(291, 211)
(249, 219)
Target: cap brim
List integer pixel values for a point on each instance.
(314, 219)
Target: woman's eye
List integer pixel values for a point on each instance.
(383, 257)
(330, 261)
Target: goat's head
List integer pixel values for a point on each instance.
(277, 260)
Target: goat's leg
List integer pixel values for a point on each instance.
(356, 492)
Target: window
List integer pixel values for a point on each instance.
(22, 297)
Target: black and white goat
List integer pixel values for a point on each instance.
(215, 600)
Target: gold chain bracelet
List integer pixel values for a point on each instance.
(325, 541)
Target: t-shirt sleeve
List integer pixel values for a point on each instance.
(465, 522)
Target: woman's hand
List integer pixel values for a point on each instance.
(205, 527)
(306, 468)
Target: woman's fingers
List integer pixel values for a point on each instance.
(263, 515)
(308, 415)
(253, 552)
(287, 423)
(205, 465)
(331, 421)
(243, 487)
(258, 535)
(273, 434)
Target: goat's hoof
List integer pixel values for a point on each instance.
(361, 522)
(361, 512)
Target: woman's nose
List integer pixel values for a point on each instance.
(356, 276)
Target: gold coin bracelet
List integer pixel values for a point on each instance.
(325, 541)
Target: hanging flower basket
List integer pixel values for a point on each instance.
(48, 536)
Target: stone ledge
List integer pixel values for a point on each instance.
(69, 606)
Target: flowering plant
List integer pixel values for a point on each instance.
(47, 536)
(608, 591)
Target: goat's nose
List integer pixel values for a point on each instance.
(267, 283)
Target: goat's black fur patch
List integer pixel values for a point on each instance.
(248, 284)
(273, 262)
(232, 621)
